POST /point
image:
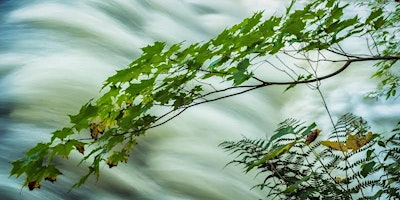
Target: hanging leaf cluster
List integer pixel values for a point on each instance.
(386, 34)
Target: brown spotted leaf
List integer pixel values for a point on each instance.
(80, 147)
(312, 136)
(95, 130)
(51, 179)
(117, 156)
(33, 184)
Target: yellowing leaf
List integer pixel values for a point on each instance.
(283, 150)
(109, 123)
(354, 142)
(96, 129)
(340, 146)
(368, 137)
(341, 180)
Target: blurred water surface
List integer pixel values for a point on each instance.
(55, 55)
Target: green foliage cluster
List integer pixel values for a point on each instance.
(311, 170)
(386, 39)
(166, 80)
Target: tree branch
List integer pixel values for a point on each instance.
(265, 83)
(347, 64)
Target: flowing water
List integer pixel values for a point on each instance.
(54, 56)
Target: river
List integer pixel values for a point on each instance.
(55, 55)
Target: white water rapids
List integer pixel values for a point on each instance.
(55, 55)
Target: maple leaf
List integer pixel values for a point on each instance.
(117, 156)
(51, 173)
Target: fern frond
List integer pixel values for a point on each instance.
(294, 169)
